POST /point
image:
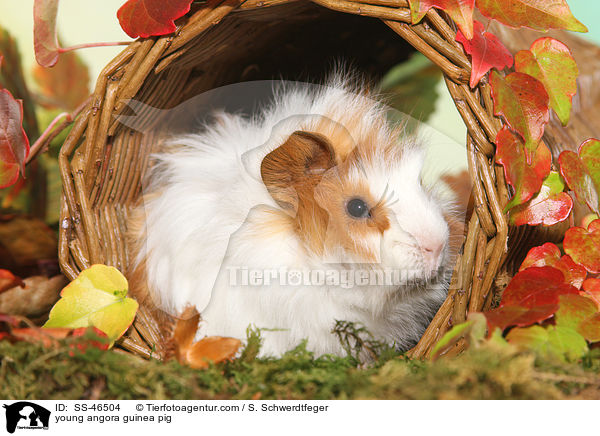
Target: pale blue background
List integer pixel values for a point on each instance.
(588, 12)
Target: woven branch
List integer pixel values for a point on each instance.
(102, 163)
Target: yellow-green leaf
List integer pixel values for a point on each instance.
(535, 14)
(97, 297)
(559, 342)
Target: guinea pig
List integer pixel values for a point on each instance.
(308, 212)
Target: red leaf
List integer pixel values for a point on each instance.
(536, 286)
(10, 320)
(591, 289)
(146, 18)
(535, 14)
(45, 39)
(8, 280)
(582, 172)
(524, 178)
(14, 145)
(551, 62)
(519, 316)
(549, 255)
(531, 297)
(550, 206)
(486, 52)
(461, 11)
(102, 344)
(523, 103)
(47, 337)
(584, 246)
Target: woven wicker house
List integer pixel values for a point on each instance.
(222, 42)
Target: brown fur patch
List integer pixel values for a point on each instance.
(307, 177)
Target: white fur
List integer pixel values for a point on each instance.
(212, 215)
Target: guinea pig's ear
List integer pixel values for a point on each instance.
(294, 168)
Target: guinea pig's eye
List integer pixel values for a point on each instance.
(357, 208)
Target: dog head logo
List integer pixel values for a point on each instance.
(26, 415)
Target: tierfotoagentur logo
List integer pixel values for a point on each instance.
(342, 277)
(25, 415)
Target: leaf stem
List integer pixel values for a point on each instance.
(50, 133)
(93, 44)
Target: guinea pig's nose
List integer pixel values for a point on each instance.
(431, 250)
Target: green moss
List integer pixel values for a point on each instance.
(29, 371)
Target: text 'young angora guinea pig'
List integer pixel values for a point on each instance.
(310, 212)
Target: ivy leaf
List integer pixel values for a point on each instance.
(535, 14)
(8, 280)
(582, 172)
(549, 255)
(530, 297)
(503, 317)
(66, 85)
(580, 314)
(146, 18)
(47, 337)
(45, 39)
(473, 330)
(591, 290)
(14, 145)
(199, 355)
(525, 178)
(522, 101)
(550, 206)
(97, 297)
(553, 341)
(486, 51)
(91, 336)
(536, 286)
(50, 337)
(584, 246)
(587, 220)
(551, 62)
(411, 88)
(461, 12)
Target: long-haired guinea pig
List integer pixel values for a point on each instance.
(309, 212)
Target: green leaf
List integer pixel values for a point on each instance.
(580, 314)
(410, 88)
(451, 337)
(552, 342)
(535, 14)
(97, 297)
(473, 330)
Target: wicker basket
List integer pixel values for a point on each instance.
(102, 162)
